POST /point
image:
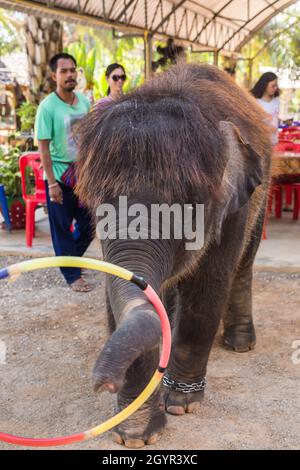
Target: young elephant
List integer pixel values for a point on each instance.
(189, 136)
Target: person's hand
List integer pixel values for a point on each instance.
(56, 194)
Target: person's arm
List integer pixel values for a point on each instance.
(46, 160)
(44, 134)
(55, 191)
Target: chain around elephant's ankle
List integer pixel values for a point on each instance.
(182, 387)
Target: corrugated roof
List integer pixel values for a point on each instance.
(207, 24)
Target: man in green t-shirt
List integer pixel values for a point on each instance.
(56, 118)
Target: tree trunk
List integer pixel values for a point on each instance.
(43, 38)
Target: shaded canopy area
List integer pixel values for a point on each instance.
(216, 25)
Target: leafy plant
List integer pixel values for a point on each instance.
(11, 38)
(85, 59)
(10, 175)
(27, 112)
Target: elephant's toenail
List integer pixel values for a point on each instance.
(117, 438)
(134, 443)
(154, 438)
(175, 410)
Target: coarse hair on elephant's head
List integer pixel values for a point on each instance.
(189, 135)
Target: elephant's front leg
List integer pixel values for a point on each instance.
(146, 425)
(202, 300)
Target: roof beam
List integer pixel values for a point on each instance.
(166, 18)
(212, 19)
(85, 5)
(112, 8)
(186, 23)
(263, 23)
(281, 31)
(158, 5)
(119, 17)
(133, 10)
(249, 21)
(177, 32)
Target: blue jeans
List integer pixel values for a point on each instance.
(61, 217)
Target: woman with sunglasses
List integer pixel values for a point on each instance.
(115, 77)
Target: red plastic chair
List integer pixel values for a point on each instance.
(287, 146)
(32, 160)
(290, 129)
(276, 192)
(277, 195)
(296, 191)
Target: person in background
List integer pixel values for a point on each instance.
(266, 92)
(115, 76)
(57, 117)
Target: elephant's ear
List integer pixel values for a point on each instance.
(243, 172)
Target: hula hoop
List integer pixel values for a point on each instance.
(72, 261)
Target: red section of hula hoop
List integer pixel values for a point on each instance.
(165, 354)
(54, 441)
(165, 325)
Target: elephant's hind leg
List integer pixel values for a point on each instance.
(194, 328)
(239, 331)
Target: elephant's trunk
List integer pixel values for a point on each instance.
(137, 323)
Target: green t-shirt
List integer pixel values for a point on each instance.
(54, 122)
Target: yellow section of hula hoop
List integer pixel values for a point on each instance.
(128, 411)
(70, 262)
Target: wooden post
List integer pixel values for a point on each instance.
(250, 70)
(148, 54)
(216, 57)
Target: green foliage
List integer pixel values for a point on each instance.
(199, 57)
(10, 28)
(127, 52)
(95, 49)
(100, 87)
(10, 175)
(85, 59)
(27, 112)
(7, 44)
(90, 67)
(277, 45)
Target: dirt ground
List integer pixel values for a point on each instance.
(50, 337)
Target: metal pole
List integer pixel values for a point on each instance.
(250, 70)
(148, 54)
(216, 57)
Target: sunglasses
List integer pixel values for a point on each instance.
(119, 77)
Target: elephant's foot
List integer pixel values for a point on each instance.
(178, 403)
(181, 398)
(240, 338)
(145, 427)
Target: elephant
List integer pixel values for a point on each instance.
(188, 136)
